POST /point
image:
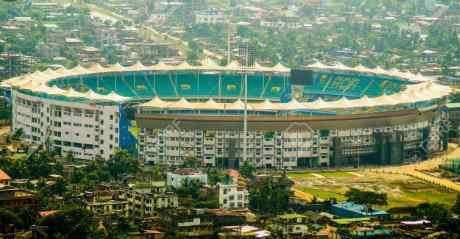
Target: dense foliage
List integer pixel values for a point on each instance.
(269, 197)
(368, 198)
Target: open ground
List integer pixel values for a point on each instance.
(406, 185)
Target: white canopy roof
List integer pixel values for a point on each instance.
(237, 105)
(97, 68)
(156, 102)
(343, 103)
(71, 93)
(364, 101)
(234, 65)
(318, 104)
(113, 96)
(209, 105)
(292, 105)
(180, 104)
(265, 105)
(116, 68)
(137, 67)
(280, 68)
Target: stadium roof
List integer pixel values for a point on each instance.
(423, 92)
(38, 82)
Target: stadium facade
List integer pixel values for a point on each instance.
(340, 116)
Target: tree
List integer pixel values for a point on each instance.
(248, 170)
(70, 223)
(432, 211)
(367, 198)
(17, 134)
(190, 188)
(7, 218)
(456, 207)
(269, 197)
(122, 163)
(191, 162)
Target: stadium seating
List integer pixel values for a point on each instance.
(328, 85)
(208, 85)
(231, 85)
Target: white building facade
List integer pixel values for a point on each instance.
(177, 180)
(293, 148)
(232, 196)
(85, 131)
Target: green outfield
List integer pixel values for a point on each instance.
(401, 190)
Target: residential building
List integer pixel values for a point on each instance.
(146, 199)
(179, 177)
(211, 16)
(5, 179)
(290, 225)
(106, 203)
(232, 196)
(17, 198)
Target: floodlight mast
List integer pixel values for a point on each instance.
(244, 68)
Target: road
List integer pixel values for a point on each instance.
(148, 32)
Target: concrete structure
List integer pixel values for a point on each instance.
(211, 16)
(336, 116)
(179, 177)
(232, 196)
(146, 200)
(108, 208)
(11, 197)
(290, 225)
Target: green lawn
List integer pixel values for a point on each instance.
(324, 193)
(300, 175)
(18, 156)
(401, 192)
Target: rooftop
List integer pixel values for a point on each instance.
(358, 209)
(4, 176)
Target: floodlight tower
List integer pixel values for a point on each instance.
(245, 66)
(245, 115)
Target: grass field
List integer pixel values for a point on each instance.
(401, 190)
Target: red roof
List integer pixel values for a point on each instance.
(47, 213)
(4, 176)
(233, 173)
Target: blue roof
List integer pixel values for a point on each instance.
(353, 209)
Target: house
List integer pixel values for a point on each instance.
(232, 196)
(5, 179)
(146, 199)
(290, 225)
(180, 176)
(17, 198)
(210, 16)
(281, 23)
(147, 234)
(105, 202)
(189, 223)
(243, 232)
